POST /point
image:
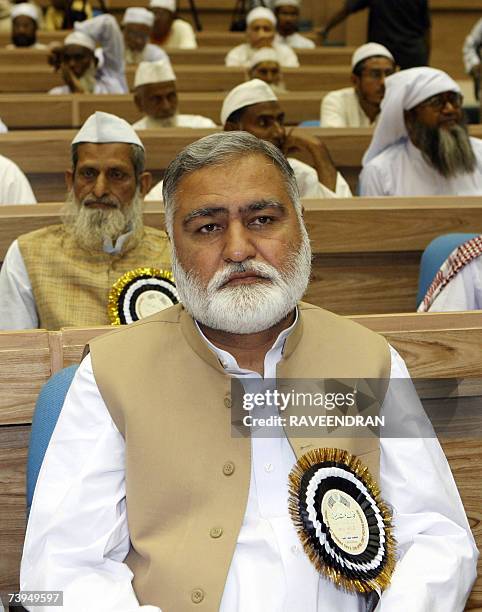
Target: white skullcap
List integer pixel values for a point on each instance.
(139, 15)
(279, 3)
(260, 12)
(24, 9)
(370, 50)
(246, 94)
(81, 39)
(265, 54)
(102, 128)
(403, 91)
(154, 72)
(169, 5)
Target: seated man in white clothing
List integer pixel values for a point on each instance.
(457, 286)
(146, 500)
(25, 18)
(359, 106)
(14, 185)
(287, 15)
(260, 33)
(264, 65)
(81, 68)
(137, 25)
(471, 51)
(168, 31)
(421, 145)
(155, 95)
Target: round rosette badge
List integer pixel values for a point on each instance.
(140, 293)
(343, 524)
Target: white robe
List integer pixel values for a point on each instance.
(187, 121)
(242, 54)
(296, 41)
(341, 108)
(463, 292)
(400, 170)
(14, 185)
(181, 36)
(77, 535)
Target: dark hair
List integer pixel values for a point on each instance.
(237, 115)
(138, 158)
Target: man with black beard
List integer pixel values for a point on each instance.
(421, 145)
(62, 275)
(25, 18)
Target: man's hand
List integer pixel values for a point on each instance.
(313, 152)
(71, 80)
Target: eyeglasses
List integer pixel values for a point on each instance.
(439, 101)
(377, 74)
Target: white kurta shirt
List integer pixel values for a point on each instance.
(187, 121)
(77, 535)
(463, 292)
(17, 302)
(341, 108)
(471, 47)
(401, 170)
(150, 53)
(181, 36)
(296, 41)
(14, 185)
(242, 54)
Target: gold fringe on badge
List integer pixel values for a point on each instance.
(321, 455)
(120, 284)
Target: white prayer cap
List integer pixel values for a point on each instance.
(154, 72)
(260, 12)
(287, 3)
(24, 9)
(169, 5)
(137, 14)
(81, 39)
(246, 94)
(403, 91)
(102, 128)
(265, 54)
(370, 50)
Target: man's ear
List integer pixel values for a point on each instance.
(69, 179)
(138, 101)
(355, 79)
(230, 126)
(145, 183)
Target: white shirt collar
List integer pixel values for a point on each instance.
(113, 248)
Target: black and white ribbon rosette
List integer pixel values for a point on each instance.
(140, 293)
(343, 524)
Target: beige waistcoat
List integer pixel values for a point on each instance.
(71, 285)
(187, 478)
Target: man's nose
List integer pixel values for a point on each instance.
(277, 130)
(239, 244)
(101, 186)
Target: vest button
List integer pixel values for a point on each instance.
(228, 468)
(228, 401)
(216, 532)
(197, 595)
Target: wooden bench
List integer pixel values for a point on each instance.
(31, 79)
(433, 345)
(45, 155)
(40, 111)
(367, 251)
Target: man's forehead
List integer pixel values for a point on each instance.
(77, 50)
(440, 93)
(272, 107)
(104, 152)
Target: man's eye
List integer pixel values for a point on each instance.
(88, 172)
(262, 221)
(117, 174)
(209, 228)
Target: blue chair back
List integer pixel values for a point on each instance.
(47, 410)
(309, 123)
(434, 256)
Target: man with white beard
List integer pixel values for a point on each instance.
(62, 275)
(420, 145)
(208, 520)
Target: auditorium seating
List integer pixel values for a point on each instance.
(27, 359)
(367, 251)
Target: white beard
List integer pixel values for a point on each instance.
(246, 309)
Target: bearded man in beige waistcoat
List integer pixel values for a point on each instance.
(61, 275)
(159, 505)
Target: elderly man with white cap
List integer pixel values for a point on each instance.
(25, 22)
(155, 95)
(74, 273)
(260, 33)
(421, 145)
(265, 65)
(168, 31)
(83, 69)
(287, 14)
(359, 106)
(254, 107)
(137, 28)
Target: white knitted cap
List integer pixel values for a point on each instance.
(137, 14)
(102, 128)
(265, 54)
(26, 10)
(81, 39)
(154, 72)
(260, 12)
(370, 50)
(246, 94)
(169, 5)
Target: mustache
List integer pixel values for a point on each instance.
(223, 276)
(104, 200)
